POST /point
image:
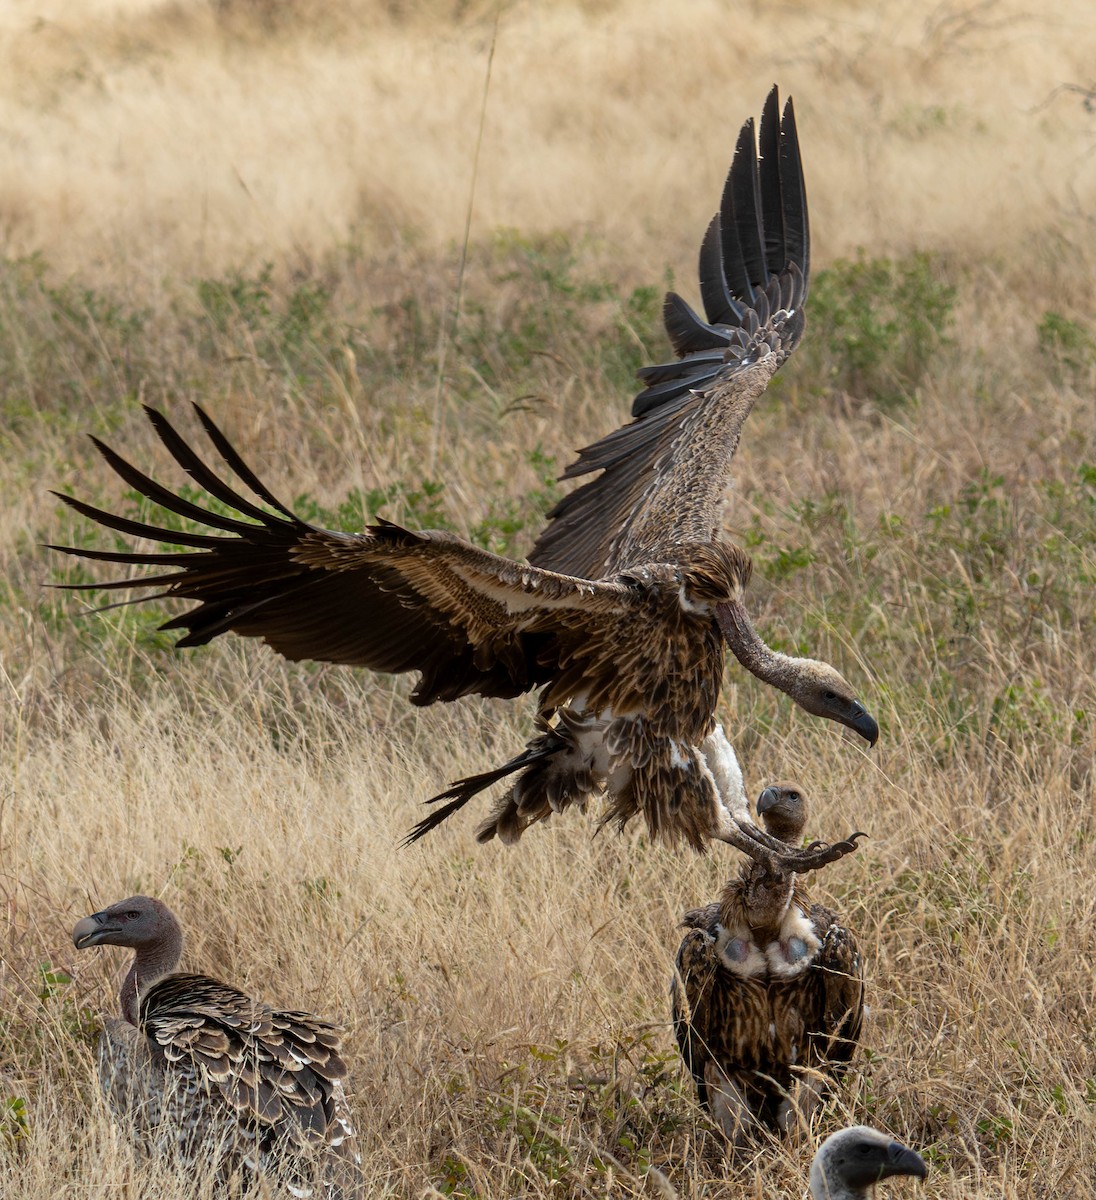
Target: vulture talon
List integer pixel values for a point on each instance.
(820, 854)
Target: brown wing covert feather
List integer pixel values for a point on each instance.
(387, 598)
(664, 476)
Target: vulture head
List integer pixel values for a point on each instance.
(140, 922)
(813, 685)
(782, 808)
(822, 691)
(149, 928)
(851, 1161)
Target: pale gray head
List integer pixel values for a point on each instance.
(782, 808)
(823, 691)
(813, 685)
(851, 1161)
(141, 922)
(150, 928)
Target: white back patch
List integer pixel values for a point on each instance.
(738, 953)
(796, 948)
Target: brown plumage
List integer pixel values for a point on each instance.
(663, 477)
(768, 994)
(200, 1073)
(630, 663)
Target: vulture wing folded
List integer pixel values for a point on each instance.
(387, 598)
(664, 476)
(835, 1011)
(277, 1071)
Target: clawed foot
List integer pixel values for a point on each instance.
(779, 856)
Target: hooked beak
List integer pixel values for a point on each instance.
(901, 1160)
(90, 931)
(862, 722)
(769, 798)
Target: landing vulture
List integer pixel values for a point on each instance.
(768, 995)
(211, 1080)
(629, 659)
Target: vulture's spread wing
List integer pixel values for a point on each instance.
(386, 598)
(663, 478)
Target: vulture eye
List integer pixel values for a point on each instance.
(829, 695)
(793, 795)
(133, 915)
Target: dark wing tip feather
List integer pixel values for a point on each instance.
(231, 456)
(797, 231)
(740, 220)
(686, 331)
(755, 252)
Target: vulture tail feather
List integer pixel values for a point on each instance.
(463, 790)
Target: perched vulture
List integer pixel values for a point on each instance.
(211, 1079)
(768, 995)
(851, 1161)
(628, 652)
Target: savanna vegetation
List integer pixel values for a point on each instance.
(263, 208)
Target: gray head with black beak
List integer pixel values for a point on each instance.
(783, 809)
(851, 1161)
(146, 925)
(814, 685)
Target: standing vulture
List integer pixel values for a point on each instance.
(217, 1082)
(768, 995)
(850, 1162)
(628, 651)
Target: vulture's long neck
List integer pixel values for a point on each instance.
(150, 964)
(780, 670)
(759, 898)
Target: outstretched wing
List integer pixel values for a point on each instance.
(387, 598)
(664, 476)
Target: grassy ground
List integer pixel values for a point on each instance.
(262, 209)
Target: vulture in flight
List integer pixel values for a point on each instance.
(850, 1162)
(219, 1083)
(768, 994)
(623, 615)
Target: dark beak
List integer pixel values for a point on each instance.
(769, 798)
(901, 1160)
(88, 931)
(862, 722)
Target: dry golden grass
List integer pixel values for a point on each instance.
(507, 1009)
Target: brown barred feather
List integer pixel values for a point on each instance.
(767, 999)
(216, 1082)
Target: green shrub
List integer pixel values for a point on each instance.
(876, 324)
